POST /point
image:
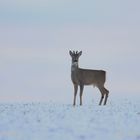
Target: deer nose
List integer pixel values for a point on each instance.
(75, 61)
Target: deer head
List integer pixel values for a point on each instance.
(75, 56)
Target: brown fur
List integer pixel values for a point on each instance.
(81, 77)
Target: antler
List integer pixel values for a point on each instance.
(75, 52)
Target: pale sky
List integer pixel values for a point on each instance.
(36, 36)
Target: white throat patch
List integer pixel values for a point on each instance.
(74, 66)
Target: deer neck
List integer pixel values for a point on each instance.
(74, 72)
(74, 67)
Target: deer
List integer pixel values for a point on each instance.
(82, 77)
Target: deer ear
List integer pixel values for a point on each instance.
(70, 52)
(80, 53)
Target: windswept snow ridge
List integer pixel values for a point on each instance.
(52, 121)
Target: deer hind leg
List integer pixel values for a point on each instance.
(102, 95)
(106, 95)
(81, 93)
(75, 93)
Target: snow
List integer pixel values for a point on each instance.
(119, 120)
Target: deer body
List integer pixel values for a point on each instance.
(81, 77)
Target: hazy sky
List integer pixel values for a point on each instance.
(36, 35)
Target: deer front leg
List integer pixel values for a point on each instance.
(75, 93)
(81, 93)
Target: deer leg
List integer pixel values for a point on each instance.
(81, 93)
(75, 93)
(106, 95)
(102, 95)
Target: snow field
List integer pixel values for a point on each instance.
(55, 121)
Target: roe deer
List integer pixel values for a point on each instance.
(81, 77)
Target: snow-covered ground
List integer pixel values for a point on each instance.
(118, 120)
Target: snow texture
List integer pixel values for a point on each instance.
(55, 121)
